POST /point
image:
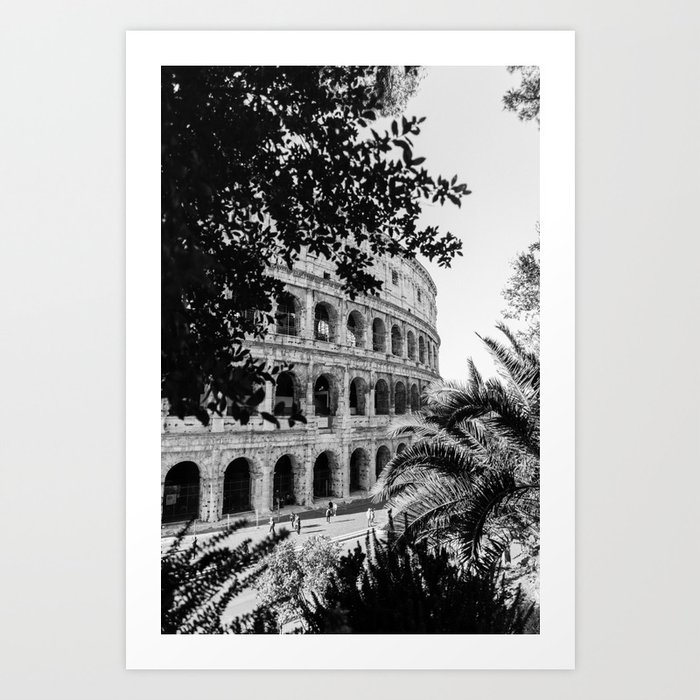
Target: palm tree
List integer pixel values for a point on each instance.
(469, 483)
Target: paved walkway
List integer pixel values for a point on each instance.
(349, 524)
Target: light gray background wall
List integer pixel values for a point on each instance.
(62, 347)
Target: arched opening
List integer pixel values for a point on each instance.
(323, 323)
(381, 398)
(283, 482)
(236, 487)
(181, 493)
(326, 483)
(400, 448)
(378, 335)
(285, 394)
(355, 330)
(430, 355)
(324, 401)
(400, 398)
(359, 471)
(415, 398)
(286, 321)
(421, 350)
(382, 459)
(396, 341)
(411, 345)
(358, 397)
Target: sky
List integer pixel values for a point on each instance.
(468, 133)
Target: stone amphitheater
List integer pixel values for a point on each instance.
(356, 365)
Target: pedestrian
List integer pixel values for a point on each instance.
(330, 506)
(292, 519)
(297, 525)
(335, 509)
(271, 531)
(329, 512)
(372, 517)
(369, 517)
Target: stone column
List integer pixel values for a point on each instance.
(344, 398)
(309, 477)
(344, 453)
(310, 410)
(265, 499)
(267, 401)
(308, 330)
(341, 335)
(392, 395)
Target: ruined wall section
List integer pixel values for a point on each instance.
(407, 305)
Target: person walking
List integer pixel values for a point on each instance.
(292, 520)
(335, 509)
(271, 531)
(329, 512)
(297, 525)
(369, 518)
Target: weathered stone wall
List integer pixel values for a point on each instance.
(214, 447)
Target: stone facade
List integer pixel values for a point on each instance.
(356, 365)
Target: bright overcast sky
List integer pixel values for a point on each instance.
(468, 133)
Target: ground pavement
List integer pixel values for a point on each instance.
(350, 522)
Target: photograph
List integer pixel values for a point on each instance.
(350, 350)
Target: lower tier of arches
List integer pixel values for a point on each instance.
(213, 485)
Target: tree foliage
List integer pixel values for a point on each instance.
(524, 100)
(406, 588)
(469, 482)
(293, 574)
(522, 295)
(258, 164)
(199, 580)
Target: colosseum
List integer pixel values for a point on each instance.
(356, 365)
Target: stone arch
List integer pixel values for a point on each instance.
(399, 398)
(298, 461)
(401, 447)
(237, 488)
(356, 329)
(325, 395)
(287, 393)
(327, 477)
(181, 493)
(381, 460)
(378, 335)
(415, 397)
(421, 350)
(359, 470)
(287, 314)
(358, 397)
(381, 398)
(411, 345)
(325, 322)
(285, 481)
(396, 341)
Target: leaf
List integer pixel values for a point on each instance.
(418, 161)
(270, 418)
